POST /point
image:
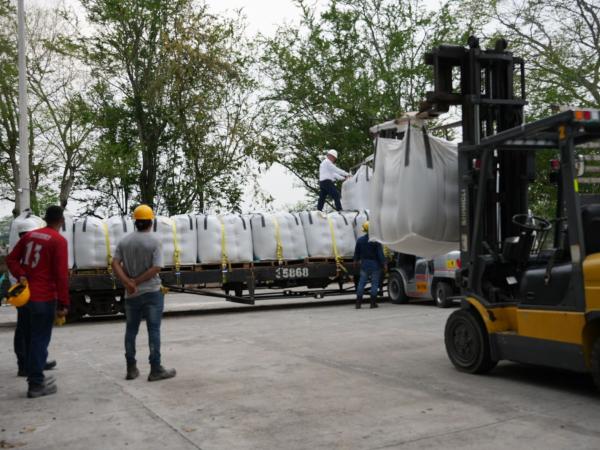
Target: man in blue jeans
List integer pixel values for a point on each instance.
(372, 263)
(137, 262)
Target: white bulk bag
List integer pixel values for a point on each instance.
(224, 237)
(414, 194)
(118, 228)
(187, 237)
(278, 236)
(163, 228)
(322, 232)
(91, 243)
(356, 190)
(25, 216)
(66, 231)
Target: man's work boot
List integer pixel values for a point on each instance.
(358, 303)
(374, 303)
(40, 390)
(132, 371)
(160, 373)
(50, 365)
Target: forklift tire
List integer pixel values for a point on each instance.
(396, 291)
(467, 342)
(595, 362)
(441, 294)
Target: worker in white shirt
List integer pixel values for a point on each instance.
(328, 173)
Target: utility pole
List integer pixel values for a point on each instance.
(24, 189)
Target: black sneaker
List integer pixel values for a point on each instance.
(132, 372)
(358, 303)
(160, 373)
(50, 365)
(40, 390)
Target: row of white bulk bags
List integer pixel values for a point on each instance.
(278, 236)
(414, 194)
(226, 237)
(118, 228)
(323, 232)
(356, 190)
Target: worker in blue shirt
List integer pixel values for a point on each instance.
(372, 263)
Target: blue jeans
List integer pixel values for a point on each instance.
(327, 188)
(369, 269)
(22, 339)
(35, 321)
(149, 306)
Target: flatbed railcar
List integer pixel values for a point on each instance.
(99, 292)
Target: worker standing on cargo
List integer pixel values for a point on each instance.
(22, 337)
(372, 263)
(328, 173)
(137, 263)
(40, 260)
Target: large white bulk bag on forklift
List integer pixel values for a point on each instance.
(328, 236)
(118, 228)
(25, 217)
(187, 237)
(278, 236)
(356, 190)
(414, 194)
(91, 243)
(224, 238)
(66, 231)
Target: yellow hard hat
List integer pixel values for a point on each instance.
(366, 227)
(143, 212)
(18, 294)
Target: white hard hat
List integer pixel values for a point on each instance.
(333, 153)
(27, 225)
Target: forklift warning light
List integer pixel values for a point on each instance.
(587, 115)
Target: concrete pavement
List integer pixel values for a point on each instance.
(328, 377)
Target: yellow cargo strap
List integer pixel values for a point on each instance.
(177, 248)
(338, 259)
(279, 251)
(108, 253)
(176, 252)
(225, 266)
(387, 253)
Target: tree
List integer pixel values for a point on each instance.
(358, 63)
(182, 75)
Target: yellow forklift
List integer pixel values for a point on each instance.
(530, 286)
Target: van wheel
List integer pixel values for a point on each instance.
(396, 291)
(595, 363)
(443, 291)
(467, 342)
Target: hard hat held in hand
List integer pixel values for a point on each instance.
(143, 212)
(18, 294)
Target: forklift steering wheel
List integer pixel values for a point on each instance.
(531, 223)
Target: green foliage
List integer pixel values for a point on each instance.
(358, 63)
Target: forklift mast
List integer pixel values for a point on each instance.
(489, 86)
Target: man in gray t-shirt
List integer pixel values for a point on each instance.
(137, 263)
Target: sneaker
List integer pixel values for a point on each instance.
(160, 373)
(358, 304)
(50, 365)
(40, 390)
(132, 372)
(374, 305)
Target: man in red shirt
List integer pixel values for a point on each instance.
(40, 258)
